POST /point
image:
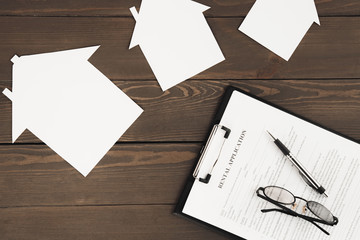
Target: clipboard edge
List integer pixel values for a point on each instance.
(190, 179)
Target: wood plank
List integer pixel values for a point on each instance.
(33, 175)
(326, 52)
(99, 222)
(185, 112)
(223, 8)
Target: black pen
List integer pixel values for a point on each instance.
(310, 180)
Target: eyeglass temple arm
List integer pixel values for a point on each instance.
(295, 215)
(258, 191)
(324, 231)
(282, 209)
(278, 210)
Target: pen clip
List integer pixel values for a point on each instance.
(214, 132)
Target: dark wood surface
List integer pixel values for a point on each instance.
(132, 192)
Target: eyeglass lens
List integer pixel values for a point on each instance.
(320, 211)
(279, 194)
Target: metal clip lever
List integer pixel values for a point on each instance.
(205, 151)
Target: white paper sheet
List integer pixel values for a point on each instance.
(176, 47)
(279, 25)
(68, 104)
(251, 160)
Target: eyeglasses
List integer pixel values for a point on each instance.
(280, 196)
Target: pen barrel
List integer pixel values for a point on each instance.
(305, 174)
(309, 179)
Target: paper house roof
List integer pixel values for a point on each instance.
(280, 25)
(68, 104)
(163, 7)
(175, 39)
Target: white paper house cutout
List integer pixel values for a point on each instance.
(68, 104)
(279, 25)
(175, 39)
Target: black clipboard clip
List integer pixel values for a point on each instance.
(205, 150)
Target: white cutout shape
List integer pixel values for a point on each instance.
(67, 103)
(175, 39)
(279, 25)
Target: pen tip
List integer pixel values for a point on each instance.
(270, 135)
(326, 195)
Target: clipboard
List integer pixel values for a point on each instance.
(222, 132)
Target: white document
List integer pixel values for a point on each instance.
(250, 159)
(68, 104)
(279, 25)
(175, 39)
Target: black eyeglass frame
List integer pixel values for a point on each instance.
(293, 213)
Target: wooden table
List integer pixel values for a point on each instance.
(131, 193)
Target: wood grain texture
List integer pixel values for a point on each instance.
(185, 112)
(131, 193)
(219, 8)
(137, 222)
(34, 175)
(331, 51)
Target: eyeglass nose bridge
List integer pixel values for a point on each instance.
(303, 209)
(295, 204)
